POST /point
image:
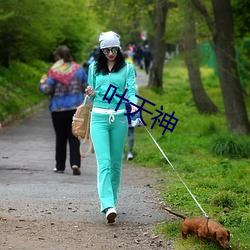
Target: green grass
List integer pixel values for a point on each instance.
(214, 164)
(19, 88)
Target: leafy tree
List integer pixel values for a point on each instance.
(156, 72)
(78, 29)
(201, 99)
(221, 28)
(28, 33)
(175, 24)
(126, 17)
(241, 18)
(242, 33)
(22, 35)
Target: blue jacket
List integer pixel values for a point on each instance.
(65, 97)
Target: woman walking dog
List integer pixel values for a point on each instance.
(109, 127)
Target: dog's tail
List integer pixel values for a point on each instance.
(175, 213)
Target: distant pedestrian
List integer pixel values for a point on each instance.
(138, 56)
(108, 127)
(65, 84)
(147, 54)
(93, 55)
(130, 127)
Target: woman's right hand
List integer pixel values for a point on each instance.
(90, 91)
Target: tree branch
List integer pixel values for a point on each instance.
(202, 9)
(172, 5)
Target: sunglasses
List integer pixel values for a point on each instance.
(106, 51)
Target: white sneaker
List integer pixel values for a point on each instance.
(58, 171)
(111, 214)
(129, 156)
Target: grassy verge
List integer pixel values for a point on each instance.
(213, 164)
(19, 88)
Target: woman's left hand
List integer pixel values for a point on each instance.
(90, 91)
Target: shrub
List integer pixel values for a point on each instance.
(224, 200)
(230, 146)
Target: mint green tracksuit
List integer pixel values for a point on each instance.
(109, 132)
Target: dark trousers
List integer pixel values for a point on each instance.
(62, 122)
(147, 65)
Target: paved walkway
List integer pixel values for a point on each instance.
(26, 163)
(30, 190)
(141, 78)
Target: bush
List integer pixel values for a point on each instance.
(231, 146)
(19, 88)
(224, 200)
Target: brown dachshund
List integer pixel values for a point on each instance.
(204, 229)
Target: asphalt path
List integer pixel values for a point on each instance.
(31, 190)
(26, 164)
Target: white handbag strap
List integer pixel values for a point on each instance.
(85, 99)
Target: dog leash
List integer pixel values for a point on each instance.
(176, 173)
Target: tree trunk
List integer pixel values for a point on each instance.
(159, 46)
(235, 109)
(223, 38)
(201, 99)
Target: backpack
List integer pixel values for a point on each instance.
(81, 125)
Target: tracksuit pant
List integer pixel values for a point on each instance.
(108, 133)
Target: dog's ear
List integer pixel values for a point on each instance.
(228, 237)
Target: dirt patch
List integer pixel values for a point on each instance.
(51, 234)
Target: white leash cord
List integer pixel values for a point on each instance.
(176, 172)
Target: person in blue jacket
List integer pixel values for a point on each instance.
(65, 83)
(108, 127)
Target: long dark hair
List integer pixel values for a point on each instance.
(102, 67)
